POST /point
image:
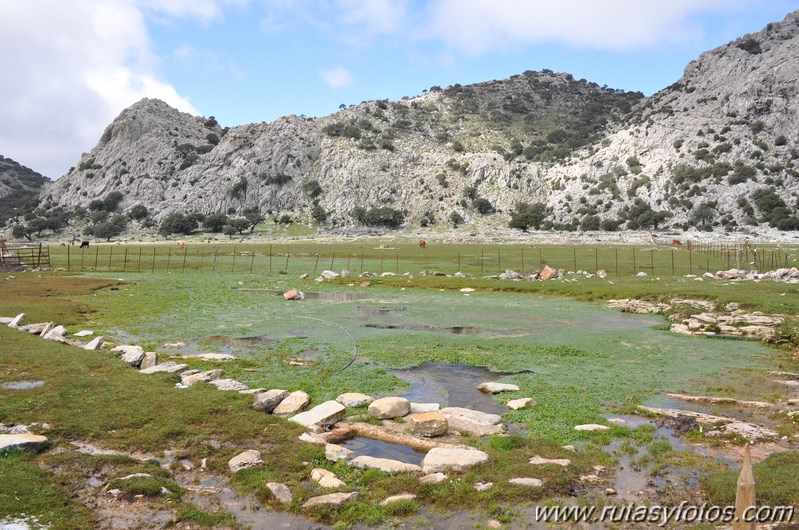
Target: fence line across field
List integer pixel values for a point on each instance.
(487, 260)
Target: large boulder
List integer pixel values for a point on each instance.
(389, 407)
(249, 458)
(267, 401)
(354, 399)
(428, 424)
(24, 442)
(321, 416)
(133, 355)
(329, 275)
(292, 404)
(455, 459)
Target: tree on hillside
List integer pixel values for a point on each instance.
(215, 222)
(178, 223)
(526, 215)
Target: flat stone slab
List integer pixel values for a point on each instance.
(57, 334)
(679, 413)
(383, 464)
(168, 367)
(456, 459)
(472, 421)
(267, 401)
(541, 461)
(83, 333)
(133, 355)
(200, 377)
(475, 416)
(418, 408)
(398, 498)
(428, 424)
(322, 415)
(354, 399)
(207, 357)
(389, 407)
(331, 498)
(293, 403)
(150, 360)
(520, 403)
(228, 384)
(591, 427)
(530, 482)
(496, 388)
(249, 458)
(281, 492)
(335, 452)
(25, 442)
(326, 479)
(95, 344)
(16, 321)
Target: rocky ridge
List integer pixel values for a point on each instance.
(694, 154)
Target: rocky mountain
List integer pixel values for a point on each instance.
(19, 188)
(718, 148)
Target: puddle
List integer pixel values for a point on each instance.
(380, 449)
(336, 297)
(455, 330)
(453, 385)
(377, 311)
(21, 385)
(234, 344)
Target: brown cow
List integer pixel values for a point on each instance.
(676, 242)
(422, 243)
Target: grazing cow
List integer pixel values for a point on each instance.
(84, 244)
(181, 245)
(676, 242)
(422, 243)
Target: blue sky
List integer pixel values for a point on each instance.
(255, 60)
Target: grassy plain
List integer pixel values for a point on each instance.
(578, 360)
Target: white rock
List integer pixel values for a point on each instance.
(321, 416)
(17, 321)
(335, 452)
(483, 486)
(354, 399)
(433, 478)
(591, 427)
(57, 334)
(150, 360)
(281, 492)
(95, 344)
(397, 498)
(293, 403)
(46, 329)
(457, 459)
(428, 424)
(133, 355)
(326, 479)
(83, 333)
(332, 498)
(520, 403)
(200, 377)
(389, 407)
(228, 384)
(467, 290)
(249, 458)
(24, 442)
(472, 421)
(540, 461)
(495, 388)
(168, 367)
(329, 275)
(383, 464)
(267, 401)
(312, 439)
(530, 482)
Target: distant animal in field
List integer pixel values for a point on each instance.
(84, 244)
(181, 245)
(676, 242)
(422, 243)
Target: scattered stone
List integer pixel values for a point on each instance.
(602, 273)
(383, 464)
(753, 433)
(428, 424)
(248, 458)
(150, 360)
(326, 479)
(642, 274)
(719, 400)
(591, 427)
(530, 482)
(35, 329)
(398, 498)
(207, 357)
(483, 486)
(168, 367)
(95, 344)
(200, 377)
(311, 438)
(176, 344)
(304, 276)
(83, 333)
(293, 403)
(496, 388)
(433, 478)
(294, 294)
(332, 498)
(570, 448)
(540, 461)
(17, 321)
(281, 492)
(510, 275)
(267, 401)
(228, 384)
(321, 416)
(472, 421)
(335, 453)
(46, 329)
(707, 419)
(520, 403)
(133, 355)
(456, 459)
(4, 321)
(610, 492)
(417, 408)
(329, 275)
(389, 407)
(354, 399)
(32, 443)
(337, 435)
(58, 334)
(547, 273)
(467, 290)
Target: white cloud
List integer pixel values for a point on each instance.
(77, 65)
(336, 77)
(478, 26)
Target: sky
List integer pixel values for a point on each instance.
(68, 68)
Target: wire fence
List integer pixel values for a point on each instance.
(476, 260)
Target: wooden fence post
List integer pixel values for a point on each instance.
(67, 257)
(138, 265)
(153, 270)
(185, 250)
(110, 253)
(745, 494)
(234, 259)
(125, 261)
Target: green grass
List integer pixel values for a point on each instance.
(776, 482)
